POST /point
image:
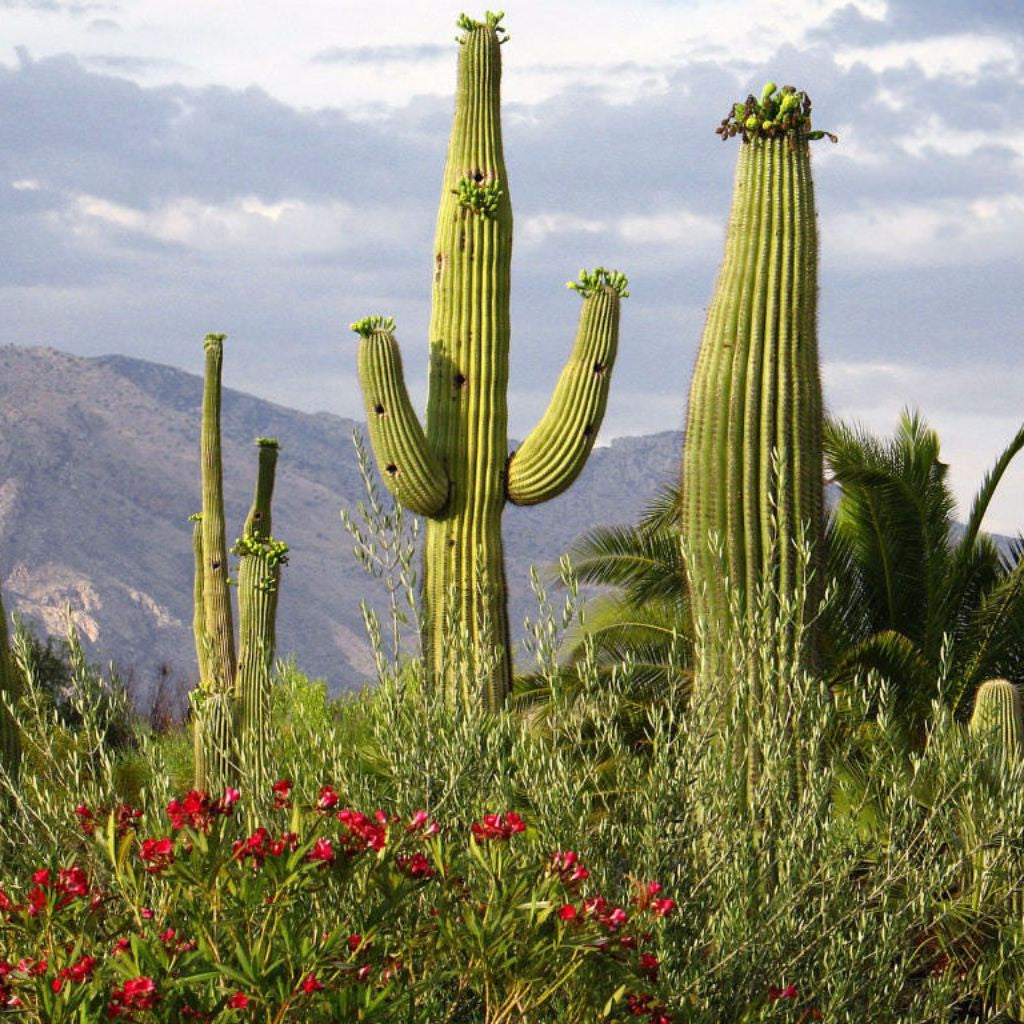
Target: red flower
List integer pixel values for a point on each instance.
(322, 851)
(193, 810)
(416, 866)
(789, 992)
(649, 965)
(227, 801)
(136, 994)
(239, 1001)
(310, 984)
(328, 798)
(159, 853)
(497, 826)
(567, 912)
(662, 908)
(421, 822)
(568, 867)
(41, 877)
(82, 970)
(362, 833)
(354, 941)
(282, 791)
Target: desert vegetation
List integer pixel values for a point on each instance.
(773, 772)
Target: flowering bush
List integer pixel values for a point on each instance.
(328, 915)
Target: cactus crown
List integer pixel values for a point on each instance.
(267, 442)
(591, 280)
(492, 19)
(778, 113)
(213, 339)
(369, 324)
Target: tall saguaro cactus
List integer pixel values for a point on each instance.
(231, 708)
(456, 473)
(752, 463)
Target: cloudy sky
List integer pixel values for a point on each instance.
(271, 171)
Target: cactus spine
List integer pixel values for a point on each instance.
(231, 708)
(752, 463)
(456, 473)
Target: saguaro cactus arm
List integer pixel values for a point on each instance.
(555, 451)
(198, 611)
(407, 463)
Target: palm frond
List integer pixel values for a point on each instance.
(645, 564)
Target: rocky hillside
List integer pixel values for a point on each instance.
(99, 473)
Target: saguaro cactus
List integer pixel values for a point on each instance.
(457, 473)
(752, 463)
(998, 718)
(231, 706)
(259, 573)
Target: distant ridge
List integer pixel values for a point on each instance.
(99, 473)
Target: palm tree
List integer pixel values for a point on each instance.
(917, 601)
(644, 616)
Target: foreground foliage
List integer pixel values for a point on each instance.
(869, 884)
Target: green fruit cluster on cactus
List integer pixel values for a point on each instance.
(232, 705)
(999, 720)
(457, 472)
(752, 464)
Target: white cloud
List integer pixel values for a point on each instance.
(963, 54)
(941, 233)
(237, 43)
(245, 228)
(672, 227)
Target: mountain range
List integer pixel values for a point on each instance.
(99, 472)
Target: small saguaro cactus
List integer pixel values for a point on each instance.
(457, 473)
(998, 718)
(10, 686)
(259, 574)
(231, 705)
(752, 462)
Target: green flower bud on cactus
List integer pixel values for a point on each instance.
(456, 472)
